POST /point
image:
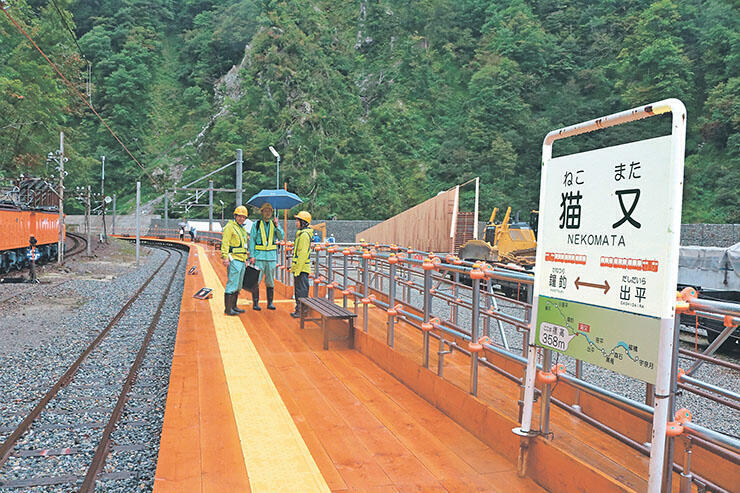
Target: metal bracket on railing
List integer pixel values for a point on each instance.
(441, 355)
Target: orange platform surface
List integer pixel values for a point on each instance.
(256, 404)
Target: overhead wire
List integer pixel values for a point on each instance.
(64, 21)
(4, 8)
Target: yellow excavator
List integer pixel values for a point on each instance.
(321, 227)
(505, 242)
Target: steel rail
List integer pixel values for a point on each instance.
(7, 447)
(103, 448)
(79, 240)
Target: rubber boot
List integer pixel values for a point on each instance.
(270, 293)
(256, 298)
(229, 302)
(235, 303)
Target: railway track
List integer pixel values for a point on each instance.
(90, 379)
(79, 245)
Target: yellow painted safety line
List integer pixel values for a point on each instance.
(276, 457)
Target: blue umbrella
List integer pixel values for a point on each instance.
(279, 199)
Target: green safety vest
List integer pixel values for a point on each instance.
(265, 241)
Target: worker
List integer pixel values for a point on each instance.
(182, 233)
(192, 233)
(316, 238)
(331, 238)
(263, 251)
(235, 253)
(301, 265)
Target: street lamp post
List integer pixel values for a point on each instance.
(277, 180)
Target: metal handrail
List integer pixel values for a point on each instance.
(412, 265)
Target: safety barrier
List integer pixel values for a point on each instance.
(409, 284)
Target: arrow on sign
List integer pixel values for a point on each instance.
(604, 286)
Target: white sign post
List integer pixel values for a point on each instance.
(607, 259)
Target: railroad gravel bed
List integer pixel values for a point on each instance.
(36, 366)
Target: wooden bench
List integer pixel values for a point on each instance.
(328, 311)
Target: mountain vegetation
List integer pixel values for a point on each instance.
(375, 105)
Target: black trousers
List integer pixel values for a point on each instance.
(301, 287)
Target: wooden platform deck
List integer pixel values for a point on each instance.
(256, 404)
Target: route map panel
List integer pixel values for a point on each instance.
(619, 341)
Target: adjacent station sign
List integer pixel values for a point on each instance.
(604, 255)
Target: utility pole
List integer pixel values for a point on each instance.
(166, 212)
(87, 220)
(61, 158)
(102, 197)
(113, 225)
(210, 205)
(239, 168)
(138, 220)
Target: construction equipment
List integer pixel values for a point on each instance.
(321, 227)
(505, 242)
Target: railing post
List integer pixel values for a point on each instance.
(577, 393)
(455, 294)
(427, 314)
(365, 291)
(345, 281)
(329, 275)
(525, 349)
(391, 303)
(474, 336)
(487, 319)
(316, 274)
(546, 390)
(670, 441)
(686, 477)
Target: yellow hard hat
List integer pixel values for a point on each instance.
(266, 205)
(305, 215)
(241, 211)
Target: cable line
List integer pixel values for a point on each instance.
(74, 89)
(64, 21)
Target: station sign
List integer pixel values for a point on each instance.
(605, 253)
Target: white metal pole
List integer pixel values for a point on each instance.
(277, 181)
(239, 171)
(102, 198)
(475, 214)
(210, 205)
(667, 326)
(532, 349)
(138, 220)
(60, 242)
(113, 223)
(87, 221)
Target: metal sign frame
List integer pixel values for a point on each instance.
(666, 344)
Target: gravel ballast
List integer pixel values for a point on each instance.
(44, 350)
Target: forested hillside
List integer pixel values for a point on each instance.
(373, 105)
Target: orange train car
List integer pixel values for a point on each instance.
(17, 226)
